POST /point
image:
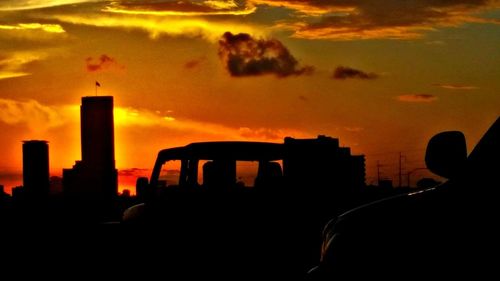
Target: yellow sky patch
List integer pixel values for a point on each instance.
(157, 26)
(51, 28)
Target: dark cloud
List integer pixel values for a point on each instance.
(104, 62)
(303, 98)
(134, 172)
(10, 176)
(419, 98)
(244, 55)
(194, 63)
(9, 179)
(344, 72)
(393, 19)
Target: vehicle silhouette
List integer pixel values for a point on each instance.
(447, 231)
(204, 188)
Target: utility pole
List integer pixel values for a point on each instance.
(378, 172)
(401, 157)
(400, 178)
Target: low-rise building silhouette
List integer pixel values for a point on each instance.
(321, 164)
(3, 194)
(385, 183)
(56, 187)
(18, 193)
(36, 168)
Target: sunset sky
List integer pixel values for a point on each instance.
(382, 76)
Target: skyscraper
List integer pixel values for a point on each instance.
(97, 132)
(95, 176)
(36, 168)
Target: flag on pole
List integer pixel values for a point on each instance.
(97, 84)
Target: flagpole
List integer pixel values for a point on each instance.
(97, 84)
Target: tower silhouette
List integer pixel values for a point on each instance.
(95, 176)
(97, 132)
(36, 168)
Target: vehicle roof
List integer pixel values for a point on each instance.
(236, 150)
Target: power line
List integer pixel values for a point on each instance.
(408, 151)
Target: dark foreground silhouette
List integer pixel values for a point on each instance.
(216, 228)
(448, 231)
(203, 217)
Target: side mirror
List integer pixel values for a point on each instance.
(446, 154)
(141, 186)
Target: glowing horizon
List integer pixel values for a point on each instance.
(383, 78)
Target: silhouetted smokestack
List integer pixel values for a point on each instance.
(36, 168)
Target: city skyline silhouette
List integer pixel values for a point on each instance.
(97, 146)
(133, 173)
(304, 182)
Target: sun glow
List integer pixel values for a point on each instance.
(19, 5)
(52, 28)
(157, 26)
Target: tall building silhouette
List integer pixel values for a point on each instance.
(36, 168)
(97, 132)
(95, 176)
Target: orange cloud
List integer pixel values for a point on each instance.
(455, 86)
(132, 117)
(12, 65)
(418, 98)
(38, 116)
(194, 63)
(181, 8)
(127, 178)
(357, 19)
(313, 8)
(35, 116)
